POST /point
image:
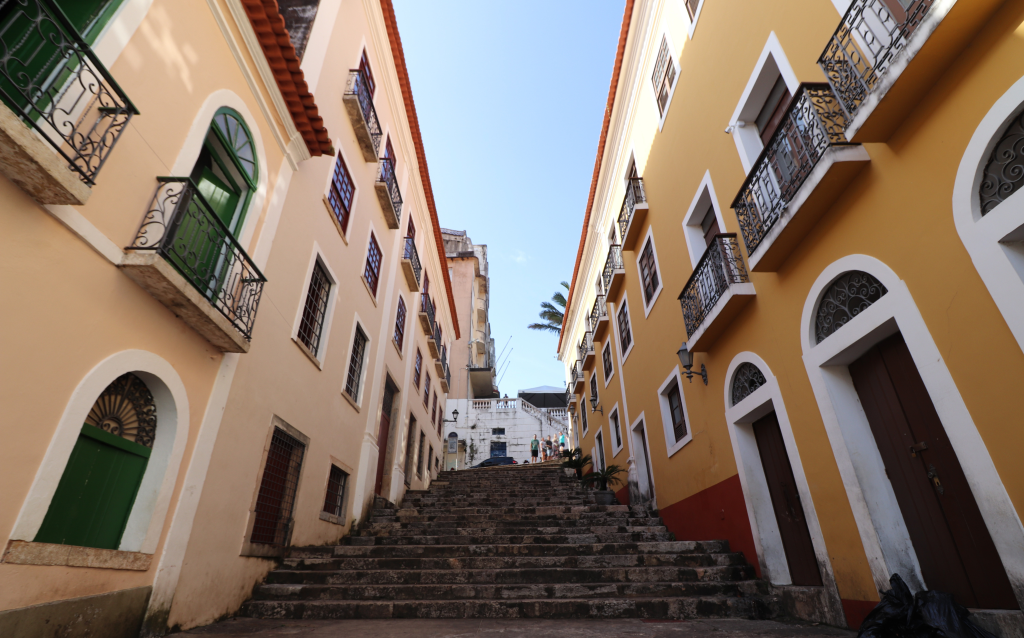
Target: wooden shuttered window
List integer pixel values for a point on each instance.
(625, 336)
(648, 271)
(691, 8)
(400, 324)
(342, 191)
(418, 369)
(355, 364)
(675, 408)
(606, 359)
(664, 77)
(364, 67)
(334, 501)
(426, 391)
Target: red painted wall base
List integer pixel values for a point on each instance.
(623, 495)
(719, 512)
(856, 611)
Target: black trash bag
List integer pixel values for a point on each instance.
(929, 614)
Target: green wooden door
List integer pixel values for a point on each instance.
(96, 492)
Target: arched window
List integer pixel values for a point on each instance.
(101, 479)
(1004, 172)
(227, 172)
(847, 297)
(747, 379)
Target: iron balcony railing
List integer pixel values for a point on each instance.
(413, 256)
(428, 308)
(586, 346)
(386, 175)
(576, 372)
(182, 227)
(54, 81)
(634, 195)
(358, 86)
(437, 336)
(866, 43)
(597, 312)
(612, 263)
(813, 122)
(569, 395)
(720, 267)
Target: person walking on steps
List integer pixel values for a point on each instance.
(534, 448)
(547, 449)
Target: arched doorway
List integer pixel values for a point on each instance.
(97, 490)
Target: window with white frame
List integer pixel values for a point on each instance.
(399, 338)
(616, 428)
(593, 388)
(650, 282)
(625, 335)
(356, 364)
(691, 7)
(606, 362)
(315, 309)
(583, 414)
(599, 444)
(664, 77)
(673, 413)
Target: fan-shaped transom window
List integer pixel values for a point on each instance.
(747, 379)
(238, 140)
(226, 170)
(1004, 172)
(97, 490)
(846, 298)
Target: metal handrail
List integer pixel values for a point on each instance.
(386, 175)
(597, 312)
(634, 195)
(56, 83)
(720, 267)
(358, 85)
(814, 122)
(612, 263)
(867, 41)
(586, 345)
(181, 226)
(413, 256)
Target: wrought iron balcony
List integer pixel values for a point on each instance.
(718, 288)
(434, 342)
(359, 105)
(804, 166)
(446, 378)
(54, 82)
(585, 349)
(614, 271)
(388, 195)
(426, 315)
(576, 374)
(186, 257)
(632, 213)
(411, 265)
(598, 317)
(441, 361)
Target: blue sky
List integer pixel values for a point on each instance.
(510, 97)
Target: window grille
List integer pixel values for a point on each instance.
(418, 369)
(606, 358)
(400, 324)
(498, 431)
(745, 381)
(664, 75)
(364, 68)
(276, 497)
(342, 191)
(648, 271)
(625, 336)
(335, 499)
(426, 391)
(419, 464)
(675, 409)
(315, 310)
(373, 259)
(355, 365)
(846, 298)
(499, 448)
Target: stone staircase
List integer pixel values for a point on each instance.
(512, 542)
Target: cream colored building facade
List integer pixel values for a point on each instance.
(254, 340)
(824, 214)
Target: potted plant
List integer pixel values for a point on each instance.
(576, 461)
(601, 479)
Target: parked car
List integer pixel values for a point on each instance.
(497, 460)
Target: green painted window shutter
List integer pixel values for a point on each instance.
(96, 492)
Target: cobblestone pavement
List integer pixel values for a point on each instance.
(630, 628)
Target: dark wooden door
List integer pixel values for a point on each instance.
(382, 435)
(953, 545)
(789, 512)
(709, 226)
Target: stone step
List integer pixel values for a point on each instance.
(393, 531)
(511, 576)
(542, 539)
(520, 511)
(471, 518)
(507, 592)
(487, 523)
(458, 551)
(683, 608)
(514, 562)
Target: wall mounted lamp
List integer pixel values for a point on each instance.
(593, 405)
(686, 359)
(455, 417)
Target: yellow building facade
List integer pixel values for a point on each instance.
(228, 300)
(812, 203)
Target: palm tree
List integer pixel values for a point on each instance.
(552, 313)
